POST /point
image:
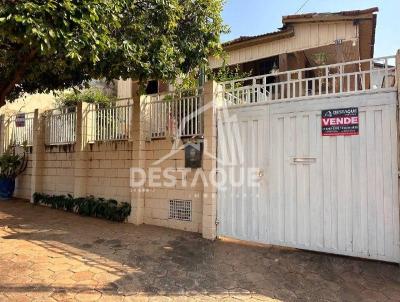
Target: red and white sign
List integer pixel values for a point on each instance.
(337, 122)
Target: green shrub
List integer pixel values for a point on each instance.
(91, 95)
(86, 206)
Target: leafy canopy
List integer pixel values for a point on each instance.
(52, 44)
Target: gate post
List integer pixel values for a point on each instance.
(397, 77)
(138, 137)
(37, 152)
(80, 163)
(212, 94)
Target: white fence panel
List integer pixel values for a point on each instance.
(21, 133)
(61, 126)
(178, 115)
(111, 122)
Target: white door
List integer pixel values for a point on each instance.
(332, 194)
(242, 135)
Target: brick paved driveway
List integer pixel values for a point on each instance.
(48, 255)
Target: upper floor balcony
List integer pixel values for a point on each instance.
(377, 74)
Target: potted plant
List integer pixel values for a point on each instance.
(12, 163)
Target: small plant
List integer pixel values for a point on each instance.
(68, 101)
(86, 206)
(189, 81)
(12, 163)
(229, 73)
(320, 59)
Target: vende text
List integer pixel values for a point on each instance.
(337, 121)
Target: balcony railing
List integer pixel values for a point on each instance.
(111, 122)
(175, 114)
(20, 126)
(60, 126)
(342, 78)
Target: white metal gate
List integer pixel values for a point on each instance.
(241, 143)
(331, 194)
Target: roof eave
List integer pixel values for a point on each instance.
(328, 17)
(283, 34)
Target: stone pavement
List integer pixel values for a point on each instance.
(50, 255)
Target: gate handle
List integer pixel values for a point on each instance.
(304, 160)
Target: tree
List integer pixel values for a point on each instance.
(52, 44)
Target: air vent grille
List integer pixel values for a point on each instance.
(180, 209)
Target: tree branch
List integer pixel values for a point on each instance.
(18, 74)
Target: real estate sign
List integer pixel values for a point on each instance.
(336, 122)
(20, 120)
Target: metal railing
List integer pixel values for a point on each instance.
(342, 78)
(111, 122)
(20, 126)
(175, 114)
(60, 126)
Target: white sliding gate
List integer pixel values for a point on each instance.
(334, 194)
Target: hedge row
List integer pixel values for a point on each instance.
(87, 206)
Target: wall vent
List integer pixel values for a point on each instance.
(180, 209)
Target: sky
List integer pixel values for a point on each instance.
(253, 17)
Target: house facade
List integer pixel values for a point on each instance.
(304, 40)
(303, 153)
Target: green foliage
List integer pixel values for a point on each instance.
(190, 81)
(53, 45)
(86, 206)
(91, 95)
(229, 73)
(187, 81)
(320, 58)
(12, 163)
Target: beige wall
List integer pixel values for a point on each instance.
(107, 174)
(102, 169)
(29, 102)
(307, 35)
(157, 199)
(23, 182)
(108, 169)
(56, 171)
(124, 88)
(108, 177)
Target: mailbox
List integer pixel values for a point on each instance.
(193, 155)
